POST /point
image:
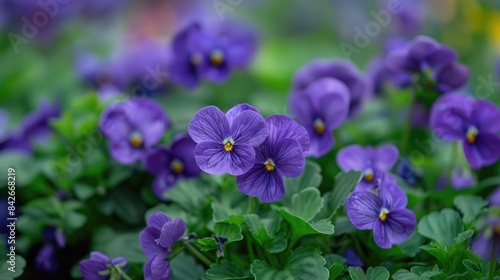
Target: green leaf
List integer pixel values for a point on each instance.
(227, 271)
(25, 166)
(222, 213)
(470, 206)
(263, 233)
(191, 195)
(302, 264)
(115, 244)
(208, 244)
(5, 266)
(84, 191)
(442, 226)
(344, 185)
(74, 220)
(301, 228)
(230, 231)
(310, 177)
(184, 267)
(373, 273)
(418, 273)
(335, 271)
(307, 203)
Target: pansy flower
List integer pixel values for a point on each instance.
(352, 258)
(282, 154)
(458, 117)
(426, 56)
(482, 245)
(156, 241)
(320, 108)
(97, 266)
(341, 70)
(461, 178)
(383, 211)
(132, 127)
(375, 163)
(170, 164)
(225, 143)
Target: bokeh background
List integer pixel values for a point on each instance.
(63, 54)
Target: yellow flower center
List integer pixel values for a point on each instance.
(269, 164)
(228, 144)
(176, 166)
(368, 175)
(383, 214)
(216, 57)
(319, 126)
(135, 139)
(471, 134)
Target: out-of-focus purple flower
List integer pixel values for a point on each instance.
(384, 212)
(461, 178)
(341, 70)
(494, 198)
(171, 164)
(407, 18)
(458, 117)
(101, 74)
(406, 171)
(156, 240)
(352, 258)
(210, 52)
(321, 108)
(97, 266)
(282, 154)
(133, 126)
(55, 236)
(99, 9)
(224, 146)
(426, 56)
(375, 163)
(482, 245)
(45, 259)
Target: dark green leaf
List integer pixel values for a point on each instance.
(230, 231)
(306, 204)
(442, 226)
(301, 228)
(469, 206)
(336, 270)
(227, 271)
(310, 177)
(184, 267)
(373, 273)
(9, 272)
(344, 185)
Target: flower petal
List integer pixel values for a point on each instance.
(124, 153)
(363, 209)
(330, 99)
(249, 128)
(209, 124)
(162, 182)
(157, 159)
(451, 77)
(90, 270)
(157, 221)
(399, 225)
(148, 117)
(320, 144)
(100, 257)
(182, 148)
(171, 232)
(385, 157)
(160, 268)
(212, 158)
(147, 239)
(281, 127)
(486, 116)
(301, 106)
(380, 235)
(352, 157)
(258, 182)
(114, 124)
(484, 151)
(237, 109)
(288, 157)
(391, 195)
(450, 116)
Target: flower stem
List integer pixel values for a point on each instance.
(198, 254)
(251, 201)
(407, 130)
(272, 259)
(493, 260)
(122, 273)
(251, 253)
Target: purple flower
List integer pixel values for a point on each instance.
(409, 18)
(226, 142)
(457, 117)
(100, 74)
(494, 198)
(406, 171)
(97, 267)
(341, 70)
(352, 258)
(282, 154)
(54, 235)
(373, 162)
(424, 54)
(133, 126)
(171, 164)
(212, 53)
(384, 212)
(321, 108)
(460, 179)
(156, 241)
(482, 245)
(45, 259)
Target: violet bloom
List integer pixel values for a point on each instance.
(482, 245)
(226, 142)
(104, 75)
(212, 53)
(352, 258)
(461, 178)
(457, 117)
(282, 154)
(156, 241)
(494, 198)
(97, 267)
(133, 126)
(426, 56)
(385, 213)
(406, 171)
(45, 260)
(171, 164)
(341, 70)
(375, 163)
(320, 108)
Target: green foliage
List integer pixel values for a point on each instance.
(419, 273)
(442, 227)
(227, 271)
(372, 273)
(470, 206)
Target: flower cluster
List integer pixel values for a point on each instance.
(241, 143)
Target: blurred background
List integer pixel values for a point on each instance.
(61, 58)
